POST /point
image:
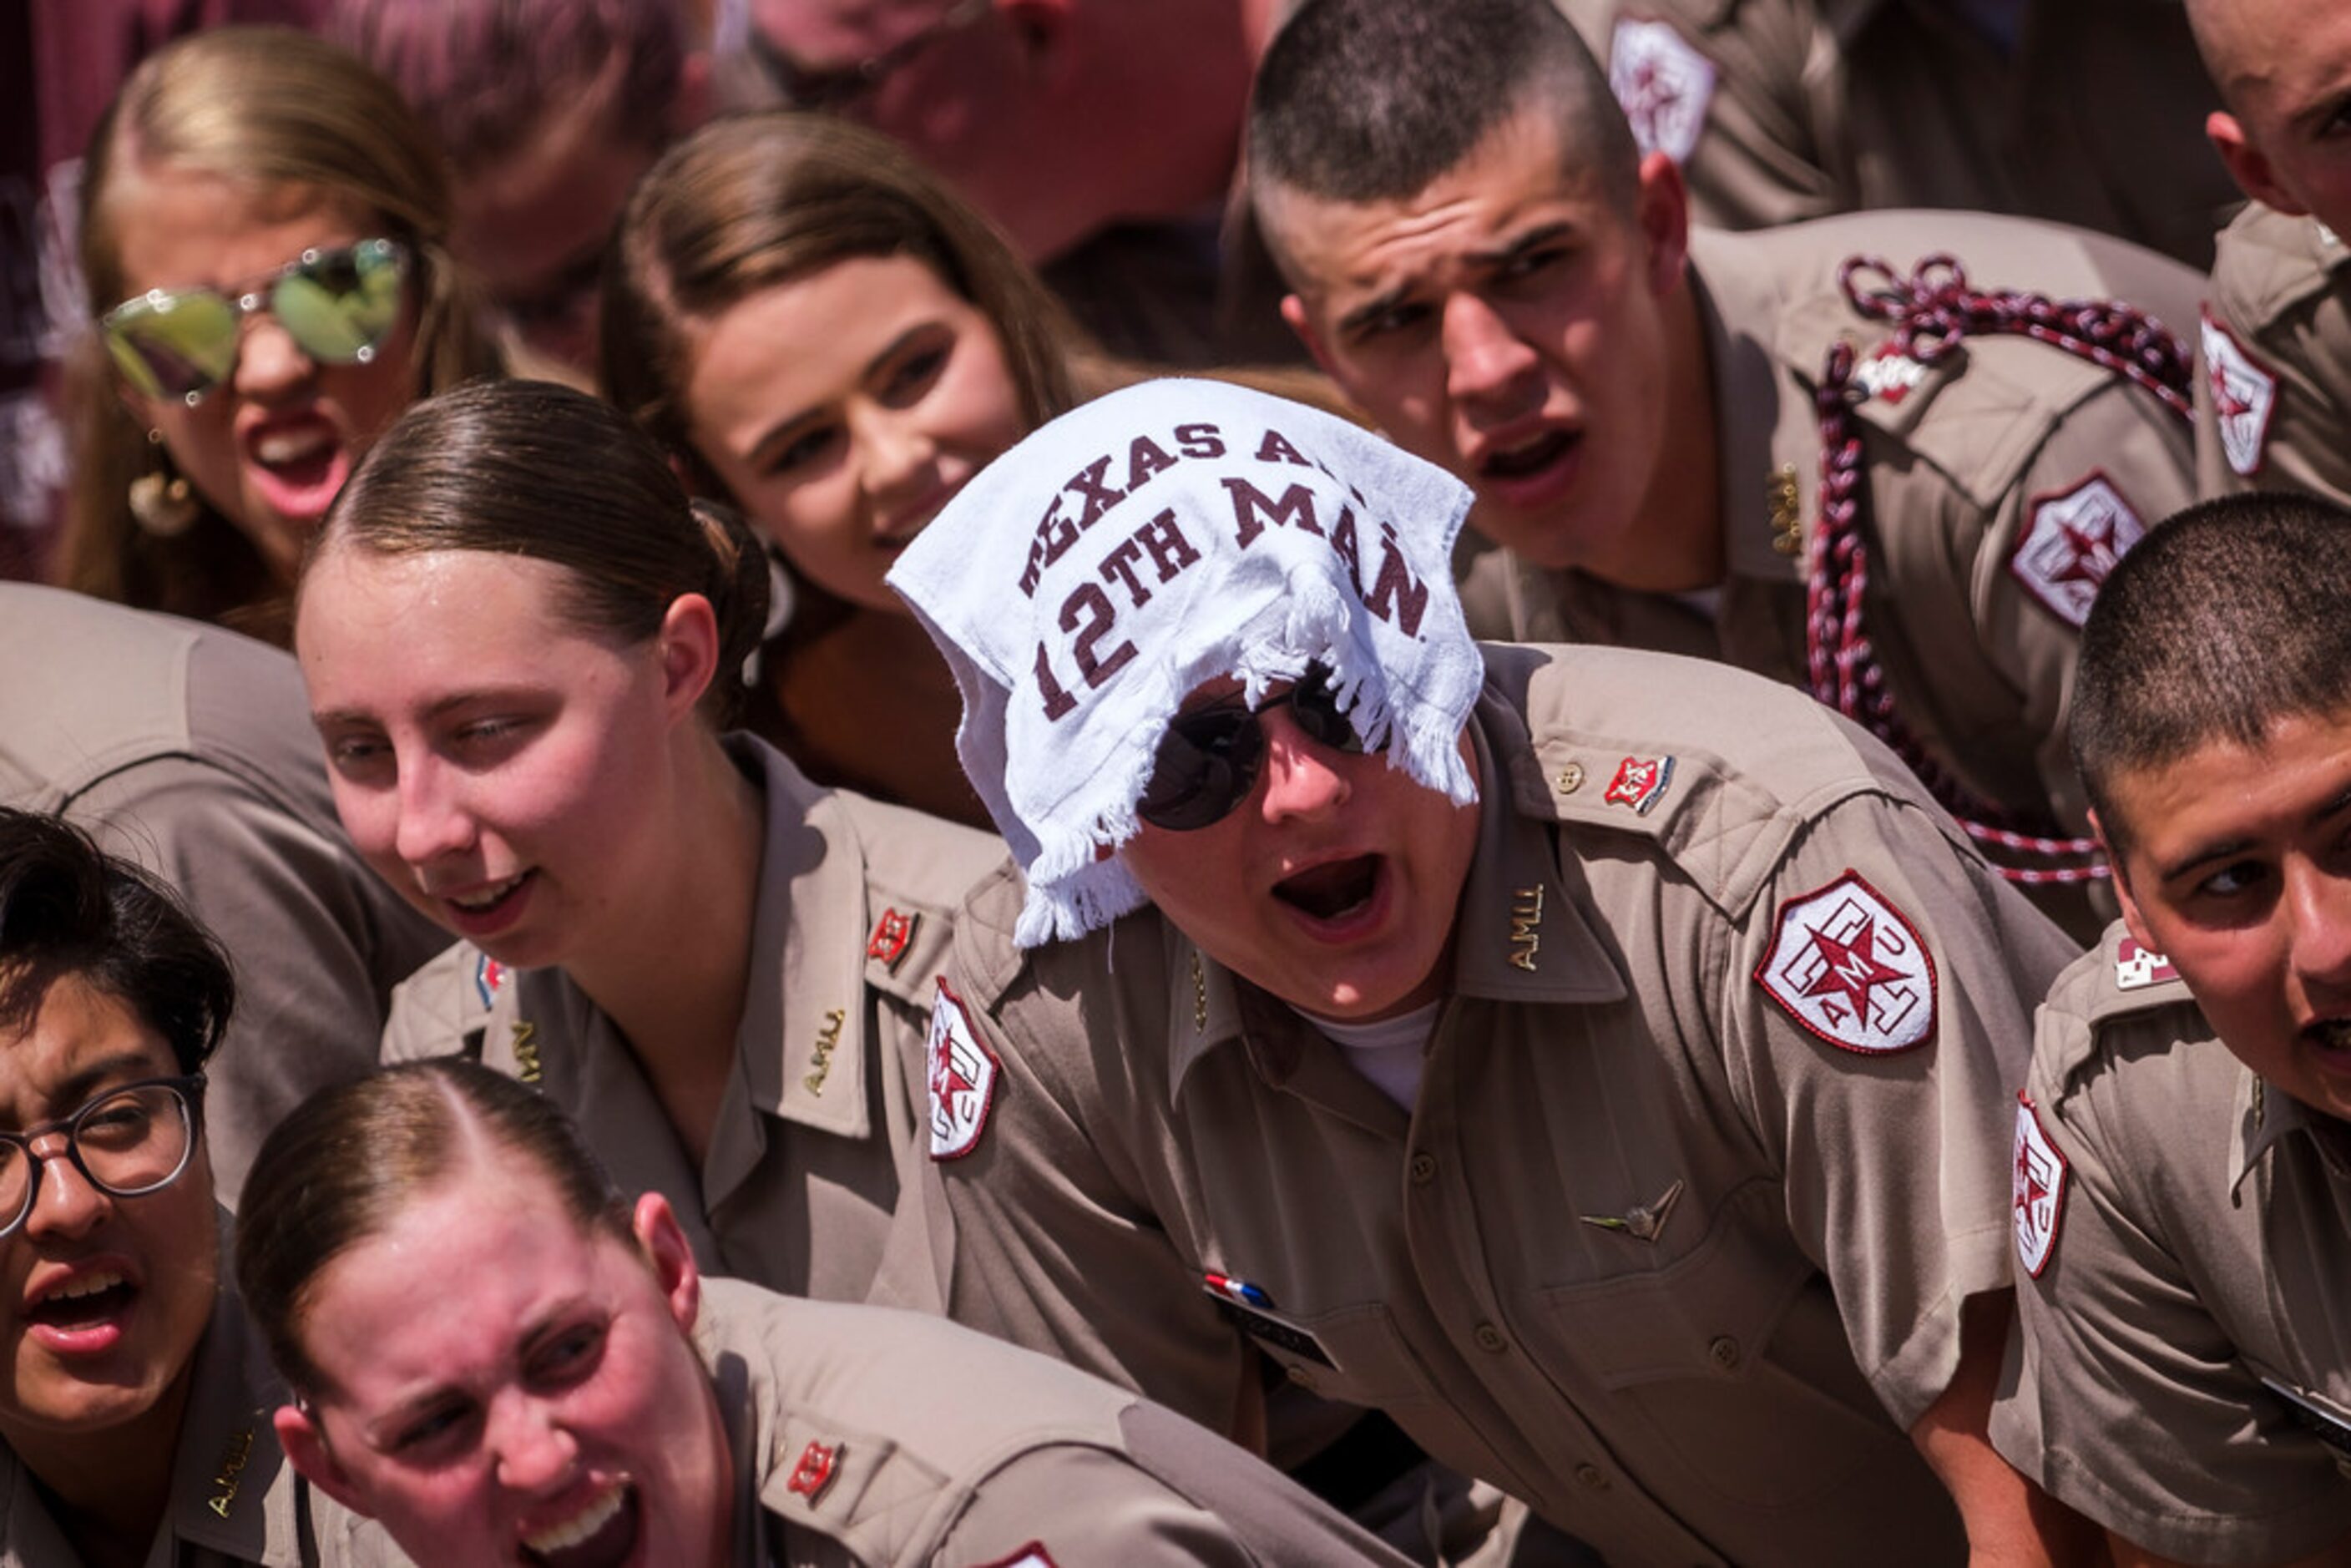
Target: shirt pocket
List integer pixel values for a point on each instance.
(1352, 1355)
(1730, 1362)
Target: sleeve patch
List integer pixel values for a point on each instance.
(1663, 84)
(2243, 396)
(2038, 1197)
(962, 1074)
(2137, 967)
(2069, 543)
(1849, 967)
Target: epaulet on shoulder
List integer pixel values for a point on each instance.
(2268, 262)
(2116, 982)
(985, 952)
(918, 870)
(449, 997)
(1615, 740)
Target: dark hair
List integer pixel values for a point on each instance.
(68, 909)
(1364, 100)
(534, 469)
(2229, 617)
(756, 200)
(487, 74)
(342, 1163)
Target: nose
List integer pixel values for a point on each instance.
(434, 818)
(65, 1203)
(897, 457)
(2320, 904)
(1303, 777)
(269, 362)
(534, 1451)
(1485, 358)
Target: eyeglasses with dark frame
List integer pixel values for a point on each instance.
(132, 1140)
(832, 89)
(1208, 759)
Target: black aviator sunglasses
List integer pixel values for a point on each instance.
(1208, 762)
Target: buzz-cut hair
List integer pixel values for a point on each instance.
(2231, 616)
(1367, 100)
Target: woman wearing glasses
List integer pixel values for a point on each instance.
(262, 234)
(520, 640)
(135, 1407)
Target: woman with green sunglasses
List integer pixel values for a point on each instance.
(262, 236)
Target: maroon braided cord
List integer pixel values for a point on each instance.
(1931, 310)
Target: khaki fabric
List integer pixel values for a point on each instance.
(2201, 1246)
(825, 1108)
(234, 1498)
(2281, 290)
(888, 1439)
(1646, 1253)
(2094, 117)
(1955, 471)
(189, 749)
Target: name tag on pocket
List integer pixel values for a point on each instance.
(2325, 1420)
(1261, 1325)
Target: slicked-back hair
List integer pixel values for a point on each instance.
(1367, 101)
(339, 1168)
(70, 910)
(2229, 617)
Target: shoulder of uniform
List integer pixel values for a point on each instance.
(2266, 263)
(1718, 767)
(918, 870)
(445, 1000)
(2108, 1003)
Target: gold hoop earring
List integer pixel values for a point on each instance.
(161, 499)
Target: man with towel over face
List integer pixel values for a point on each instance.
(1601, 1061)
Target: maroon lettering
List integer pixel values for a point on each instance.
(1342, 544)
(1396, 595)
(1099, 497)
(1199, 441)
(1089, 604)
(1119, 567)
(1295, 507)
(1144, 458)
(1055, 534)
(1171, 552)
(1058, 702)
(1276, 448)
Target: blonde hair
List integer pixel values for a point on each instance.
(268, 110)
(757, 199)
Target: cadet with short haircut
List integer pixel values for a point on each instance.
(1808, 452)
(2273, 404)
(1597, 1060)
(2182, 1165)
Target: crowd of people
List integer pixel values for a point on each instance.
(1017, 783)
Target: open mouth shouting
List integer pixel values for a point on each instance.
(602, 1532)
(81, 1312)
(296, 464)
(1336, 894)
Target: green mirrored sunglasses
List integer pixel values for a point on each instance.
(337, 305)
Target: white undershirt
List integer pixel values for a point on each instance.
(1388, 1052)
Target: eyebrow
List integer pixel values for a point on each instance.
(436, 709)
(1489, 260)
(2204, 855)
(790, 424)
(78, 1088)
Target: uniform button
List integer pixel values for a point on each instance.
(1590, 1477)
(1725, 1352)
(1570, 778)
(1423, 1170)
(1490, 1338)
(1300, 1376)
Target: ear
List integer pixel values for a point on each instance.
(2132, 915)
(2246, 164)
(1661, 211)
(305, 1443)
(654, 1225)
(689, 651)
(1293, 311)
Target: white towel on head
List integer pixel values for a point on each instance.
(1096, 575)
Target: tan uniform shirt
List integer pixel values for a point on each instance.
(234, 1498)
(2191, 1246)
(805, 1163)
(189, 749)
(1710, 1142)
(1781, 110)
(888, 1439)
(2273, 402)
(2000, 486)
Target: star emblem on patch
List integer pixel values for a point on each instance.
(2071, 541)
(961, 1074)
(2137, 967)
(2037, 1199)
(1640, 782)
(1850, 968)
(1663, 84)
(2244, 395)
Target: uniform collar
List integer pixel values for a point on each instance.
(1738, 308)
(2267, 1115)
(801, 1043)
(232, 1490)
(1519, 935)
